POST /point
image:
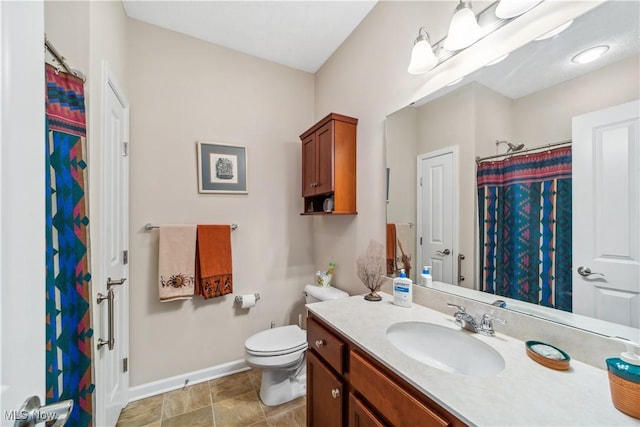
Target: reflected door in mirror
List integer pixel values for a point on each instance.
(606, 192)
(436, 195)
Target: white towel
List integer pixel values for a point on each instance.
(403, 242)
(176, 261)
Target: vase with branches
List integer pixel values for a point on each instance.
(371, 267)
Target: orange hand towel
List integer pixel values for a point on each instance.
(176, 255)
(213, 261)
(391, 248)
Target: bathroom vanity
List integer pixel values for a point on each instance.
(345, 386)
(357, 377)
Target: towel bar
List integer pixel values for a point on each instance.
(148, 226)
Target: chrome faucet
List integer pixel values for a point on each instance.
(468, 322)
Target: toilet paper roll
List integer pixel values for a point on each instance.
(248, 301)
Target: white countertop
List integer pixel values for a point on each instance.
(525, 393)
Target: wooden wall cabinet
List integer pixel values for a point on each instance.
(329, 165)
(346, 387)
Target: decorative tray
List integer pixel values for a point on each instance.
(548, 355)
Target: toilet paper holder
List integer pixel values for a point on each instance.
(238, 298)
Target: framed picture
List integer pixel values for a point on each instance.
(222, 168)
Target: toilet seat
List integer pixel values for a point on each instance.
(277, 342)
(283, 361)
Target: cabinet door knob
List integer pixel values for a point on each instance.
(319, 343)
(335, 393)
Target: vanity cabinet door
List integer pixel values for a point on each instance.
(324, 395)
(360, 415)
(391, 399)
(329, 347)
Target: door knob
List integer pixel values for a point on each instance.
(335, 393)
(32, 413)
(586, 272)
(445, 252)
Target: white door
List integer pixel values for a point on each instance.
(112, 355)
(436, 214)
(606, 214)
(22, 203)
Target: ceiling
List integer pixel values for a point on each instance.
(298, 34)
(542, 64)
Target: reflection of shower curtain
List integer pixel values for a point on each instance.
(68, 293)
(525, 227)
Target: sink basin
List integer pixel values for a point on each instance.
(444, 348)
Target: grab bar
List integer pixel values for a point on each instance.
(460, 276)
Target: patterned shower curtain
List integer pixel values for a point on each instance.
(68, 281)
(524, 209)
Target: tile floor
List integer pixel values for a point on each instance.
(224, 402)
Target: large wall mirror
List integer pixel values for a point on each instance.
(536, 105)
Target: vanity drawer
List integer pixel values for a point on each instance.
(398, 406)
(324, 343)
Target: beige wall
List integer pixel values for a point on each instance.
(612, 85)
(184, 90)
(446, 122)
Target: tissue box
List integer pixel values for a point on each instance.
(624, 382)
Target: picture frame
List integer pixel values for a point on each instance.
(222, 168)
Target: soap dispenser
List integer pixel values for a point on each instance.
(624, 378)
(402, 290)
(426, 279)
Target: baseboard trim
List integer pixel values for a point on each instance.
(173, 383)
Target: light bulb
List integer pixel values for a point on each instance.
(463, 30)
(422, 57)
(511, 8)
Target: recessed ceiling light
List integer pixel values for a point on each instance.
(590, 55)
(555, 31)
(495, 61)
(455, 81)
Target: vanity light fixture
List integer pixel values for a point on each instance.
(555, 31)
(463, 29)
(422, 57)
(590, 55)
(511, 8)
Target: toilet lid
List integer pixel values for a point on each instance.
(275, 341)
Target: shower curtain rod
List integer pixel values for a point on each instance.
(515, 153)
(58, 57)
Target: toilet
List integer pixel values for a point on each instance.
(280, 354)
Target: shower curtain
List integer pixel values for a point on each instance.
(68, 280)
(524, 212)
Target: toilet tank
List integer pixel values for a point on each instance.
(323, 293)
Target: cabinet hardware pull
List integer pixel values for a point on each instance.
(319, 343)
(335, 393)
